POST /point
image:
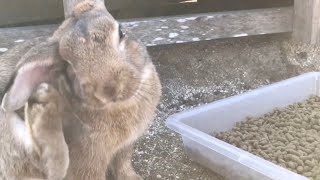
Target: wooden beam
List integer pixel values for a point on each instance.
(306, 25)
(69, 4)
(208, 26)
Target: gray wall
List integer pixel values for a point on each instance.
(29, 12)
(24, 11)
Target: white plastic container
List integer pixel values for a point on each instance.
(196, 125)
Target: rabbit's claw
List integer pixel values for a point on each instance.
(43, 95)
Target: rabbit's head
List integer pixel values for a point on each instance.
(41, 63)
(105, 66)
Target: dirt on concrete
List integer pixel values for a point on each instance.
(197, 73)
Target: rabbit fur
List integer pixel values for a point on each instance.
(111, 85)
(115, 90)
(36, 148)
(33, 148)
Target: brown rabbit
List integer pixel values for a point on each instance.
(35, 148)
(115, 92)
(113, 88)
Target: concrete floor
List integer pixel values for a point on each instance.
(193, 74)
(198, 73)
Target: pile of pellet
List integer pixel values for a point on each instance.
(289, 137)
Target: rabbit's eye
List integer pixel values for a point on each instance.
(121, 34)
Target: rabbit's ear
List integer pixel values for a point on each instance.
(23, 82)
(83, 7)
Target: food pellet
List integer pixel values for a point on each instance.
(289, 137)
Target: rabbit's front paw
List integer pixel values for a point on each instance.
(44, 121)
(43, 107)
(44, 94)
